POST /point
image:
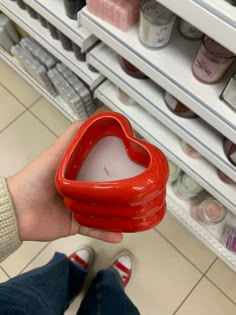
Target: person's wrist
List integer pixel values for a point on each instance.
(17, 201)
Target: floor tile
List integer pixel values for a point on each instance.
(21, 142)
(186, 242)
(206, 299)
(161, 279)
(20, 258)
(50, 116)
(3, 276)
(10, 108)
(17, 86)
(224, 278)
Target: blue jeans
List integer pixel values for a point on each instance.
(50, 289)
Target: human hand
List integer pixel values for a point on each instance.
(40, 210)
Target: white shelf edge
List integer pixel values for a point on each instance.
(57, 102)
(178, 211)
(217, 19)
(42, 35)
(201, 170)
(53, 11)
(195, 131)
(220, 116)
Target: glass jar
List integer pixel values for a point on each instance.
(189, 150)
(226, 179)
(186, 188)
(72, 7)
(212, 61)
(21, 4)
(174, 172)
(32, 12)
(124, 98)
(189, 31)
(229, 93)
(42, 21)
(65, 41)
(156, 24)
(177, 107)
(78, 53)
(131, 70)
(209, 212)
(53, 31)
(230, 150)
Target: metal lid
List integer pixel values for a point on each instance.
(155, 12)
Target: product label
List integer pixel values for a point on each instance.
(190, 31)
(229, 94)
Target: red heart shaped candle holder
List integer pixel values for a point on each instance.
(107, 190)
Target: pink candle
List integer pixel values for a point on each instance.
(209, 211)
(108, 161)
(212, 61)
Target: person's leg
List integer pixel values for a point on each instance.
(46, 290)
(106, 295)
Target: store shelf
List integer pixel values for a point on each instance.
(210, 235)
(169, 67)
(53, 11)
(216, 18)
(155, 132)
(42, 35)
(196, 132)
(57, 102)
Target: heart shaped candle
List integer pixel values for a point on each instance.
(111, 180)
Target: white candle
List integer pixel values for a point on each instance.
(108, 161)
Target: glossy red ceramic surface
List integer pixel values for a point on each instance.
(134, 200)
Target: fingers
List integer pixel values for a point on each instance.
(106, 236)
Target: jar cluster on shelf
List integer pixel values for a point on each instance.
(156, 26)
(181, 110)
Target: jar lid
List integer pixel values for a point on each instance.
(156, 13)
(190, 186)
(216, 49)
(213, 210)
(174, 171)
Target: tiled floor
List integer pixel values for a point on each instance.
(174, 273)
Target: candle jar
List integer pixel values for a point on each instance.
(186, 188)
(177, 107)
(42, 21)
(32, 12)
(212, 61)
(78, 54)
(189, 150)
(209, 212)
(174, 172)
(53, 31)
(124, 98)
(189, 31)
(156, 24)
(229, 238)
(72, 7)
(131, 70)
(230, 151)
(65, 41)
(226, 179)
(229, 93)
(21, 4)
(110, 180)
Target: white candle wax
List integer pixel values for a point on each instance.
(108, 161)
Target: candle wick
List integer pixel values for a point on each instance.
(105, 169)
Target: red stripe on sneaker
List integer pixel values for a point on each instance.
(122, 267)
(79, 260)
